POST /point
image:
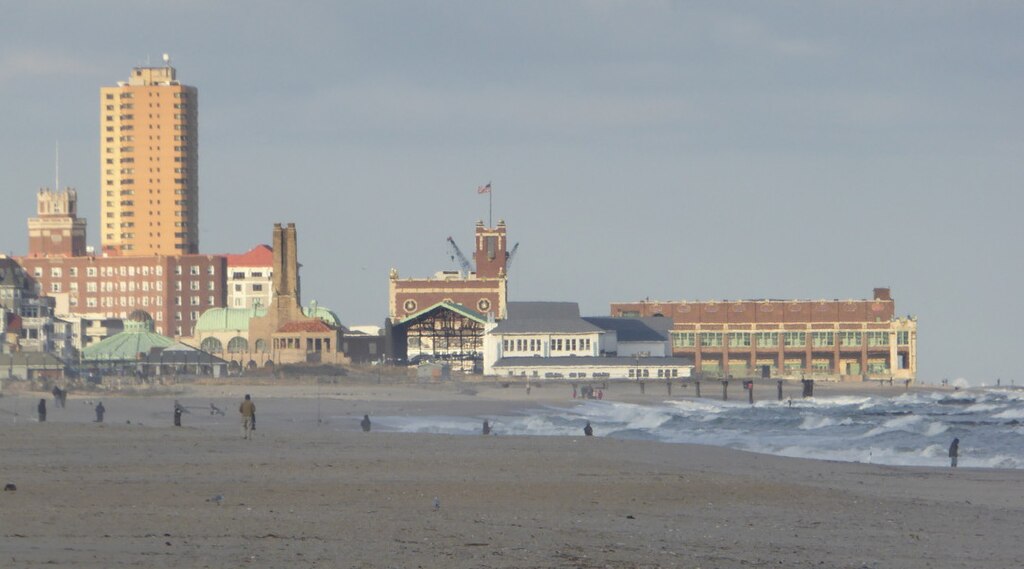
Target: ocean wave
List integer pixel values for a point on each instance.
(1015, 413)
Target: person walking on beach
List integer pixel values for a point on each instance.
(41, 408)
(178, 410)
(57, 399)
(365, 423)
(954, 452)
(248, 411)
(100, 410)
(588, 430)
(487, 427)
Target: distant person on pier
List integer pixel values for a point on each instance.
(41, 408)
(954, 452)
(588, 430)
(365, 423)
(487, 427)
(100, 410)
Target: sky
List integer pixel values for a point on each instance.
(636, 149)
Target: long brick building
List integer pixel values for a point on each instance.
(826, 339)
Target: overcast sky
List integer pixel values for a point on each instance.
(671, 150)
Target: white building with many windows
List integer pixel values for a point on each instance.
(250, 277)
(549, 340)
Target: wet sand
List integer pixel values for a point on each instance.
(309, 494)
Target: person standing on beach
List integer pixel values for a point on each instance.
(100, 410)
(954, 452)
(41, 408)
(178, 410)
(487, 427)
(248, 411)
(588, 430)
(365, 423)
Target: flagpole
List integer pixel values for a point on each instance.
(490, 208)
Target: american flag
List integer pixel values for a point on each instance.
(484, 189)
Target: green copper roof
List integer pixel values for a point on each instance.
(228, 319)
(127, 345)
(326, 314)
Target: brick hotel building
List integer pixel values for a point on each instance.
(827, 339)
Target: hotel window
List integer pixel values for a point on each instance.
(683, 339)
(90, 302)
(194, 315)
(210, 270)
(210, 300)
(177, 285)
(504, 345)
(145, 301)
(711, 339)
(875, 366)
(211, 286)
(238, 288)
(572, 344)
(878, 338)
(90, 271)
(177, 270)
(257, 288)
(55, 272)
(194, 285)
(767, 339)
(588, 344)
(193, 270)
(739, 339)
(74, 287)
(73, 271)
(90, 286)
(159, 271)
(903, 338)
(54, 287)
(194, 301)
(822, 339)
(237, 275)
(159, 315)
(850, 339)
(794, 339)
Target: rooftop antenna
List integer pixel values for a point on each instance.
(56, 169)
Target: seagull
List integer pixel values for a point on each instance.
(217, 499)
(437, 503)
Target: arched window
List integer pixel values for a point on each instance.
(211, 345)
(238, 345)
(261, 346)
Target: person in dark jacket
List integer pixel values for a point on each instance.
(100, 410)
(588, 430)
(365, 423)
(954, 452)
(487, 427)
(42, 410)
(178, 410)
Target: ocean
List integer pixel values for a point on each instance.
(912, 429)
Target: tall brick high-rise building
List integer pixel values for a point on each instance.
(149, 165)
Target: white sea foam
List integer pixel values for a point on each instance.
(1016, 413)
(909, 429)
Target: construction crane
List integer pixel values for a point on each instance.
(455, 253)
(509, 256)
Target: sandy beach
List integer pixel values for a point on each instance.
(313, 491)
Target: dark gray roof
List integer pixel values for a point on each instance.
(562, 361)
(544, 317)
(630, 329)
